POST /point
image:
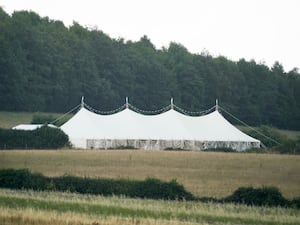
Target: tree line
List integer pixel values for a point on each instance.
(46, 66)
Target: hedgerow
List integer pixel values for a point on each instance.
(150, 188)
(41, 138)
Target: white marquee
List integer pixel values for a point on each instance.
(168, 130)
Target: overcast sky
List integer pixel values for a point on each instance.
(263, 30)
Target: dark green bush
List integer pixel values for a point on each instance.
(295, 203)
(41, 138)
(266, 196)
(23, 178)
(149, 188)
(284, 145)
(289, 146)
(156, 189)
(16, 179)
(85, 185)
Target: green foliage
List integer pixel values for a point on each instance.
(46, 66)
(289, 146)
(15, 179)
(295, 203)
(270, 136)
(266, 196)
(22, 178)
(41, 138)
(156, 212)
(161, 190)
(149, 188)
(274, 141)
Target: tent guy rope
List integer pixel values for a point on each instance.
(260, 133)
(171, 106)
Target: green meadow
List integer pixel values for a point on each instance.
(45, 208)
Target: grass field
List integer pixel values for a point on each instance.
(11, 119)
(45, 208)
(205, 174)
(202, 173)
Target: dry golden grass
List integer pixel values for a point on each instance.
(120, 210)
(202, 173)
(41, 217)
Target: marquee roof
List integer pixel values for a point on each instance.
(170, 125)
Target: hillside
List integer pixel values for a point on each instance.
(45, 66)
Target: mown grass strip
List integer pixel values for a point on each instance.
(93, 209)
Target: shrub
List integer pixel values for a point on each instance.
(16, 179)
(266, 196)
(41, 138)
(149, 188)
(295, 203)
(289, 146)
(49, 138)
(23, 178)
(284, 145)
(156, 189)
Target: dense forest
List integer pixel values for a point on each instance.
(45, 66)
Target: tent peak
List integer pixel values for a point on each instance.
(129, 106)
(217, 105)
(82, 101)
(127, 103)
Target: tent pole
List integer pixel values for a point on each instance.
(82, 101)
(127, 104)
(217, 105)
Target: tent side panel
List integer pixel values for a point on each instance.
(166, 144)
(79, 143)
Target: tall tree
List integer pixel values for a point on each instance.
(45, 66)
